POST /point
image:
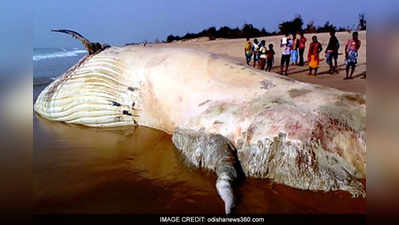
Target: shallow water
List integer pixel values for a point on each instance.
(78, 169)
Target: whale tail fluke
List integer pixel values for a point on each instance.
(92, 47)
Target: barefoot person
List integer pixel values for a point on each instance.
(332, 52)
(313, 55)
(248, 50)
(270, 57)
(302, 43)
(255, 50)
(351, 54)
(294, 50)
(286, 53)
(262, 55)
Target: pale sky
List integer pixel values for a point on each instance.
(117, 22)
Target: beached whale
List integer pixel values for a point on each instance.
(223, 116)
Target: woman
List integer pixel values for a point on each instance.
(313, 55)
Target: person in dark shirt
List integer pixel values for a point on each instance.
(332, 52)
(270, 57)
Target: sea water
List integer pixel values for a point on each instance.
(49, 63)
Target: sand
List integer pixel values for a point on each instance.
(234, 49)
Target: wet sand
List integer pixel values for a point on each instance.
(138, 170)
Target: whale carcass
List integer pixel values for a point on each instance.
(223, 116)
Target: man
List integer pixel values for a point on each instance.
(332, 52)
(255, 48)
(294, 50)
(248, 50)
(351, 54)
(302, 42)
(313, 55)
(285, 45)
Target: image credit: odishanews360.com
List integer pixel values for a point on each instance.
(210, 219)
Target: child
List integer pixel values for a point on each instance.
(270, 57)
(248, 51)
(255, 49)
(262, 52)
(285, 46)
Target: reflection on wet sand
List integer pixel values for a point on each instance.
(138, 170)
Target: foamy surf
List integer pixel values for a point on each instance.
(48, 53)
(38, 81)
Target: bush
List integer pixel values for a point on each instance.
(326, 28)
(291, 27)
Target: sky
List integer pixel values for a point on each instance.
(118, 22)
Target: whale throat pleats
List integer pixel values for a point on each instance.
(92, 93)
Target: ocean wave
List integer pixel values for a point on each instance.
(48, 53)
(38, 81)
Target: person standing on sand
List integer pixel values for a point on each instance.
(255, 50)
(351, 54)
(294, 50)
(301, 47)
(248, 50)
(270, 57)
(286, 52)
(313, 55)
(262, 55)
(332, 52)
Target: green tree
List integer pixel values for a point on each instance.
(362, 22)
(291, 27)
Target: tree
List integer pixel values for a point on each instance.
(263, 32)
(326, 28)
(291, 27)
(224, 32)
(171, 38)
(248, 30)
(310, 27)
(362, 22)
(211, 33)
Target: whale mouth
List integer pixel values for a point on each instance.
(92, 93)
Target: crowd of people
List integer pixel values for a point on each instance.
(292, 52)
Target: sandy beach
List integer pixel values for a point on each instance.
(233, 48)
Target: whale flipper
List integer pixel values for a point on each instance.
(214, 152)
